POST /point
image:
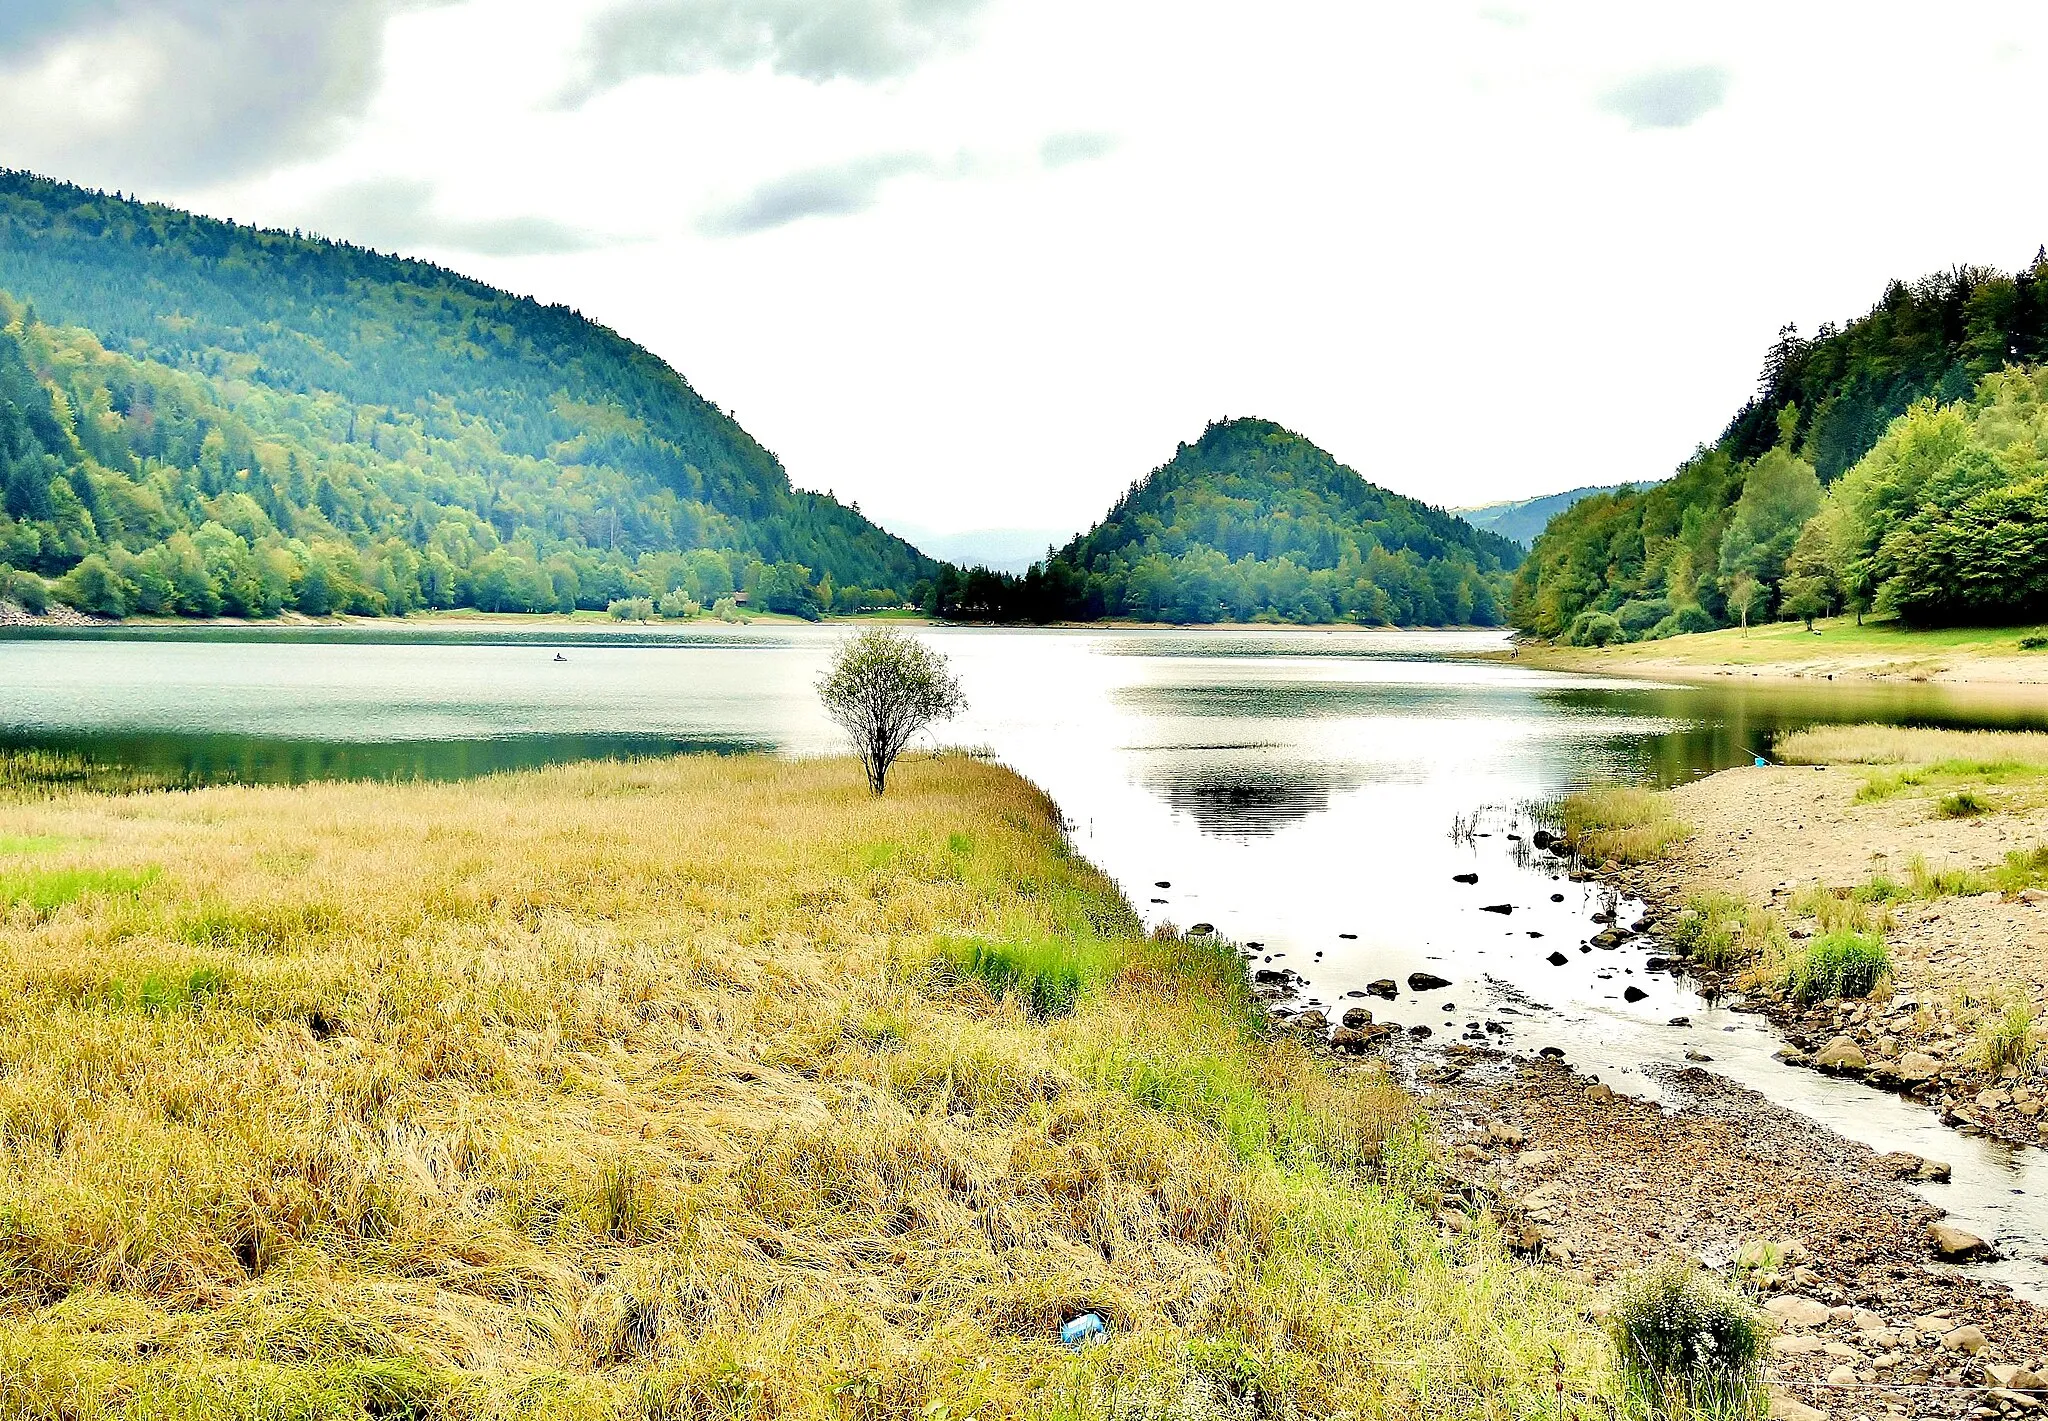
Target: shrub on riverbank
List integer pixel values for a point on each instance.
(1690, 1347)
(1621, 824)
(657, 1090)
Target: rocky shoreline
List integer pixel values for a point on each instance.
(13, 614)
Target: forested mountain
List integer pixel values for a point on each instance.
(1520, 520)
(200, 417)
(1254, 522)
(1895, 464)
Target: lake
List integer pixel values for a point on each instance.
(1312, 791)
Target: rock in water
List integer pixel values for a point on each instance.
(1464, 878)
(1841, 1054)
(1201, 929)
(1426, 981)
(1633, 994)
(1385, 987)
(1502, 908)
(1312, 1021)
(1953, 1243)
(1357, 1017)
(1557, 959)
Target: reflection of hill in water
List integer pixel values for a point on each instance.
(1244, 799)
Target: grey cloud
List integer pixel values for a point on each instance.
(833, 191)
(1062, 149)
(818, 40)
(183, 90)
(1668, 98)
(400, 215)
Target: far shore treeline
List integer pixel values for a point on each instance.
(1898, 465)
(199, 419)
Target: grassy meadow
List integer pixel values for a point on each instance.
(703, 1088)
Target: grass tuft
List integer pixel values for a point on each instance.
(44, 891)
(1963, 804)
(1835, 965)
(2006, 1039)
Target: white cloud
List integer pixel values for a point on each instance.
(1668, 98)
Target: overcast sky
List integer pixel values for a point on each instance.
(980, 263)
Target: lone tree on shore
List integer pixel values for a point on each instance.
(882, 688)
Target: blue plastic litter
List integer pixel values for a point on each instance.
(1084, 1329)
(1761, 762)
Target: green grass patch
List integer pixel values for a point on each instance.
(161, 992)
(1836, 965)
(23, 846)
(46, 890)
(1047, 976)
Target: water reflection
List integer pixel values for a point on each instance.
(1239, 798)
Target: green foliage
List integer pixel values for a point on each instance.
(198, 418)
(1253, 522)
(1689, 1345)
(1047, 976)
(2006, 1039)
(1925, 422)
(1836, 965)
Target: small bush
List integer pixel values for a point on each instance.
(1689, 1345)
(631, 609)
(1047, 977)
(678, 605)
(1595, 629)
(1963, 804)
(2036, 642)
(1837, 964)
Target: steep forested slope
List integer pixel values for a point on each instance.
(296, 413)
(1253, 521)
(1871, 455)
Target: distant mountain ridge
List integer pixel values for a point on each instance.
(1520, 520)
(1254, 522)
(310, 424)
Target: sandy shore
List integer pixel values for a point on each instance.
(1837, 650)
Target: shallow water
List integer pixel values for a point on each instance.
(1312, 791)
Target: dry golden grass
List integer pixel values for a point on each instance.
(657, 1091)
(1902, 745)
(1620, 824)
